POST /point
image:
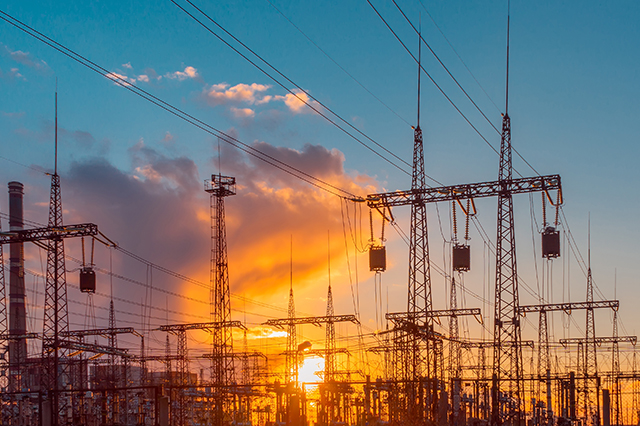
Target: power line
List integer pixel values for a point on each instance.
(293, 171)
(456, 53)
(337, 64)
(161, 269)
(442, 91)
(294, 84)
(445, 67)
(431, 78)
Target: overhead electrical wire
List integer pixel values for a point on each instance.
(293, 171)
(454, 79)
(458, 55)
(337, 64)
(445, 67)
(227, 138)
(431, 78)
(161, 269)
(310, 105)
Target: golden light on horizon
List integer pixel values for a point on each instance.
(310, 366)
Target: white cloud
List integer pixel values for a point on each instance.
(16, 73)
(26, 58)
(243, 112)
(189, 72)
(120, 79)
(128, 65)
(219, 94)
(144, 78)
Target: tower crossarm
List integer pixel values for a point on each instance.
(485, 344)
(284, 322)
(100, 332)
(568, 307)
(406, 316)
(161, 358)
(599, 340)
(251, 354)
(52, 232)
(177, 328)
(380, 349)
(13, 336)
(323, 352)
(464, 191)
(90, 347)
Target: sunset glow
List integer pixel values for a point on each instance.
(217, 188)
(310, 366)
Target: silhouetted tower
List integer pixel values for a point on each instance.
(4, 343)
(167, 362)
(222, 368)
(417, 362)
(56, 314)
(113, 341)
(330, 357)
(544, 362)
(507, 352)
(591, 406)
(455, 352)
(455, 355)
(292, 342)
(635, 399)
(615, 372)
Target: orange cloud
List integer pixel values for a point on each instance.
(219, 94)
(159, 211)
(242, 112)
(298, 102)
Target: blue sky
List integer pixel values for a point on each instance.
(573, 104)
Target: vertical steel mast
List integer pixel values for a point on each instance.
(507, 351)
(591, 380)
(222, 340)
(417, 364)
(56, 314)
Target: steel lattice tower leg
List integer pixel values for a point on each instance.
(418, 362)
(330, 362)
(615, 370)
(544, 363)
(507, 353)
(183, 369)
(114, 370)
(291, 362)
(590, 359)
(222, 341)
(56, 317)
(455, 355)
(4, 346)
(292, 343)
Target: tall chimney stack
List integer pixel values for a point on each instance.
(17, 311)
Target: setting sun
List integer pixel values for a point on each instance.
(310, 366)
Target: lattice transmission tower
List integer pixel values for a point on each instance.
(222, 364)
(507, 351)
(56, 314)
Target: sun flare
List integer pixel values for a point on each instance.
(310, 366)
